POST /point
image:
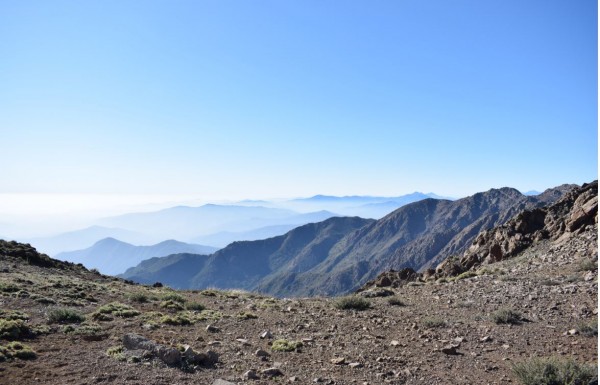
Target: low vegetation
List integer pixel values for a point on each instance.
(352, 303)
(65, 316)
(395, 301)
(282, 345)
(588, 329)
(507, 316)
(554, 371)
(16, 350)
(433, 323)
(116, 309)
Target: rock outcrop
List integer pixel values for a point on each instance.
(571, 214)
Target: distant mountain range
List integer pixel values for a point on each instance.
(339, 254)
(219, 225)
(111, 256)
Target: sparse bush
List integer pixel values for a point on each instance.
(6, 287)
(45, 301)
(588, 329)
(466, 274)
(176, 319)
(433, 322)
(104, 312)
(553, 371)
(13, 329)
(17, 350)
(246, 315)
(588, 265)
(173, 297)
(194, 306)
(171, 305)
(209, 315)
(395, 301)
(507, 316)
(209, 292)
(116, 352)
(352, 303)
(65, 316)
(139, 297)
(285, 345)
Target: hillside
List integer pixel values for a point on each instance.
(111, 256)
(417, 235)
(60, 323)
(245, 264)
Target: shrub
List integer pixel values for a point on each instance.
(433, 322)
(176, 320)
(466, 274)
(173, 297)
(65, 316)
(171, 305)
(395, 301)
(553, 371)
(588, 329)
(285, 345)
(13, 329)
(104, 312)
(246, 315)
(6, 287)
(139, 297)
(17, 350)
(507, 316)
(588, 265)
(194, 306)
(352, 303)
(116, 352)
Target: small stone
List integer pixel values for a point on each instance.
(485, 339)
(222, 382)
(293, 379)
(212, 328)
(338, 361)
(261, 353)
(355, 365)
(395, 343)
(272, 372)
(266, 334)
(449, 349)
(250, 375)
(214, 343)
(243, 341)
(572, 332)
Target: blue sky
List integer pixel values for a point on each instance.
(260, 99)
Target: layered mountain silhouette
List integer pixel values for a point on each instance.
(111, 256)
(340, 254)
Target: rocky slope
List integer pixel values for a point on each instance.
(60, 323)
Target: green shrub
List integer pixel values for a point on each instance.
(246, 315)
(171, 305)
(65, 316)
(395, 301)
(17, 350)
(352, 303)
(173, 297)
(104, 312)
(554, 371)
(194, 306)
(507, 316)
(116, 352)
(176, 319)
(285, 345)
(466, 274)
(13, 315)
(139, 297)
(13, 329)
(433, 323)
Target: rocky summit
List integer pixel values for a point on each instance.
(519, 304)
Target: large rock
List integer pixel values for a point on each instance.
(169, 356)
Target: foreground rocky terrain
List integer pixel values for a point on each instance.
(435, 332)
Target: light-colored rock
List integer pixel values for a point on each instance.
(266, 334)
(338, 361)
(222, 382)
(212, 329)
(250, 375)
(272, 372)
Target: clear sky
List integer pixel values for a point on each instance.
(254, 99)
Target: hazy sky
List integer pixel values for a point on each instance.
(250, 99)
